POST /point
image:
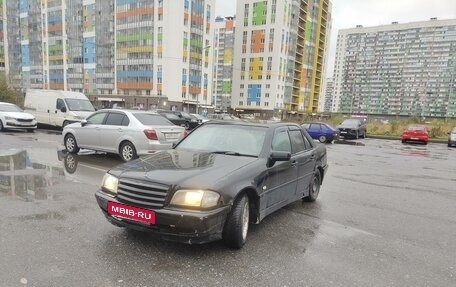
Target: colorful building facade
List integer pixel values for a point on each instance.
(149, 49)
(223, 63)
(281, 50)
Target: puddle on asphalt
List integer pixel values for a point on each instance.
(25, 178)
(348, 142)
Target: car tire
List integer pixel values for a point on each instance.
(357, 135)
(30, 130)
(322, 139)
(2, 128)
(425, 143)
(70, 144)
(449, 145)
(314, 188)
(364, 134)
(404, 141)
(127, 151)
(187, 125)
(237, 223)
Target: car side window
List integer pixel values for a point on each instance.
(114, 119)
(307, 143)
(59, 104)
(297, 141)
(281, 141)
(125, 121)
(315, 127)
(96, 119)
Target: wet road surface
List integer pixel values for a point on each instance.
(386, 216)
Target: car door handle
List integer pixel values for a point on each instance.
(119, 129)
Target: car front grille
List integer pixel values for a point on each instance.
(142, 193)
(25, 120)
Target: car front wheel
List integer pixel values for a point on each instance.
(71, 144)
(127, 151)
(314, 188)
(237, 223)
(1, 126)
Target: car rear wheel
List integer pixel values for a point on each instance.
(127, 151)
(70, 144)
(314, 188)
(237, 223)
(187, 125)
(1, 126)
(322, 139)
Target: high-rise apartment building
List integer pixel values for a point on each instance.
(326, 102)
(280, 49)
(398, 69)
(152, 52)
(223, 62)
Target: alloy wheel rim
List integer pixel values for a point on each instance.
(245, 220)
(127, 152)
(70, 144)
(315, 186)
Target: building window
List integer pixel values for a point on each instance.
(241, 103)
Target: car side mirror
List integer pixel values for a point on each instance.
(63, 109)
(83, 123)
(276, 156)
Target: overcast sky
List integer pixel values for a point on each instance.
(349, 13)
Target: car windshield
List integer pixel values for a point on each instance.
(228, 139)
(185, 115)
(79, 105)
(351, 122)
(9, 108)
(152, 119)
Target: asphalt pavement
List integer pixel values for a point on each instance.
(386, 216)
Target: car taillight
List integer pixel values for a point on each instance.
(151, 134)
(185, 133)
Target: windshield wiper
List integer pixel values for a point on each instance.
(232, 153)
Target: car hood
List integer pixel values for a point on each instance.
(186, 169)
(18, 115)
(83, 114)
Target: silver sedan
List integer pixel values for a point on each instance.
(124, 132)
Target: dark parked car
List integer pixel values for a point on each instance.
(182, 119)
(322, 132)
(452, 138)
(220, 178)
(415, 133)
(352, 128)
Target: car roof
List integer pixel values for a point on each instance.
(129, 111)
(322, 123)
(5, 103)
(242, 123)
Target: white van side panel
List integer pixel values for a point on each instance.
(42, 104)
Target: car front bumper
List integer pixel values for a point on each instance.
(348, 133)
(191, 227)
(14, 124)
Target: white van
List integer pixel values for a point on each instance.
(57, 108)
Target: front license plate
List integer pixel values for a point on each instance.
(343, 132)
(414, 139)
(132, 213)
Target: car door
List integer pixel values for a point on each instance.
(314, 130)
(57, 116)
(281, 181)
(112, 131)
(302, 154)
(88, 136)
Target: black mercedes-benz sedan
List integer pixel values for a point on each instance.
(214, 182)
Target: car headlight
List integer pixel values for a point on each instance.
(110, 183)
(9, 118)
(195, 198)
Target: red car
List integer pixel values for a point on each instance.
(415, 133)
